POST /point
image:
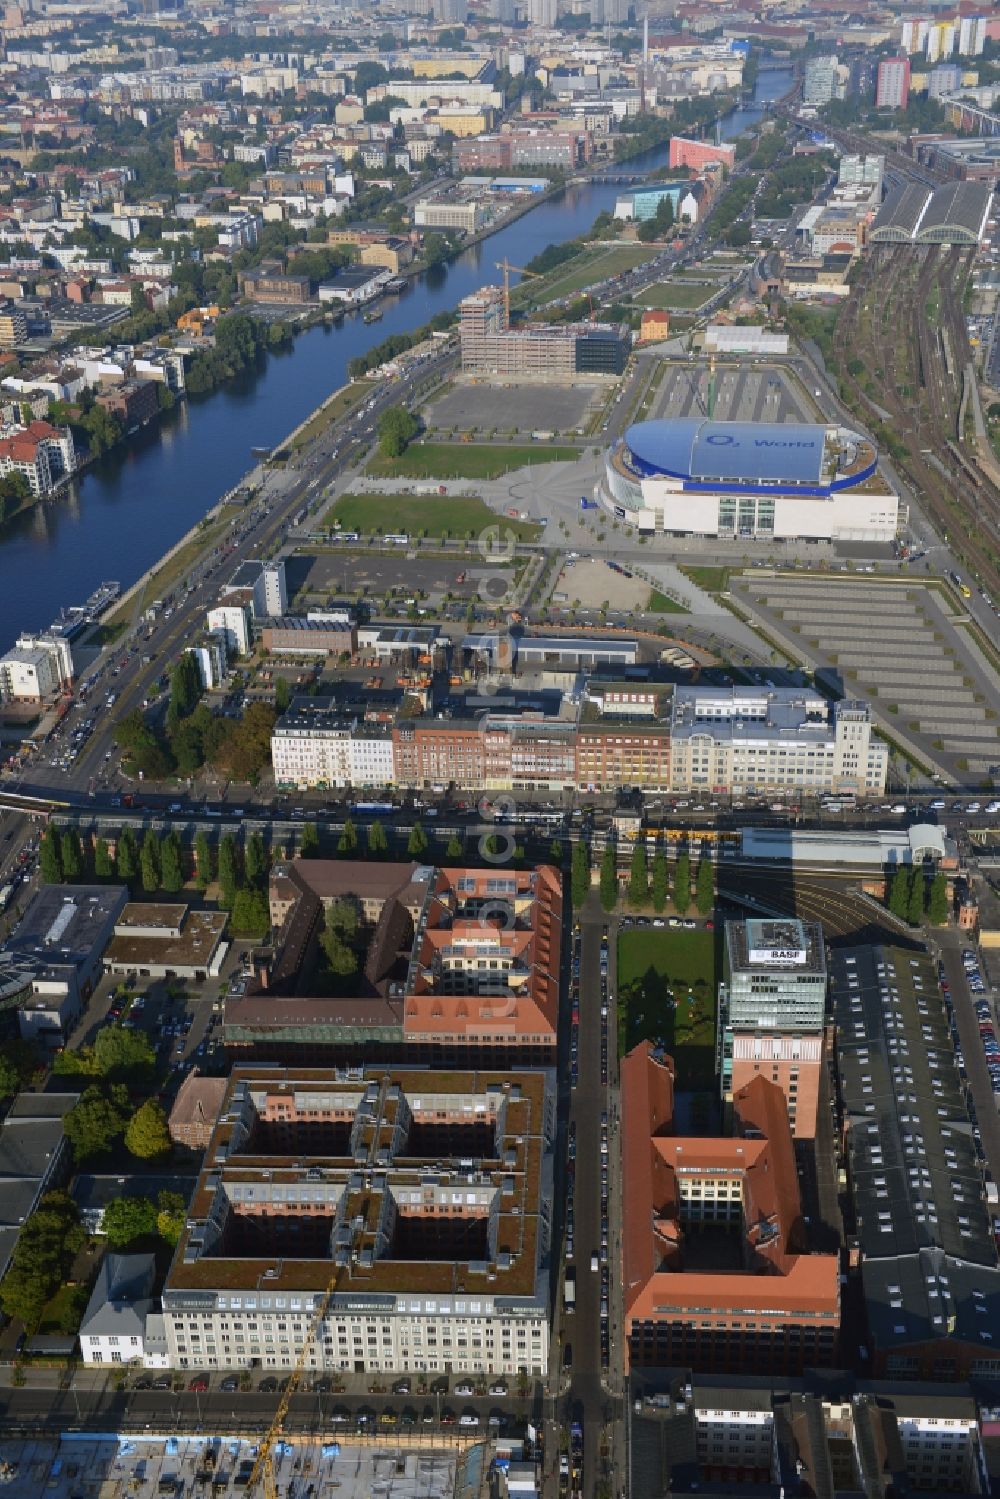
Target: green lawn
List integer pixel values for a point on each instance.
(662, 603)
(674, 294)
(585, 269)
(454, 460)
(667, 993)
(458, 515)
(64, 1312)
(712, 579)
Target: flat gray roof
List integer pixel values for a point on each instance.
(64, 923)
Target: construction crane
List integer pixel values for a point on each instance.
(263, 1468)
(505, 266)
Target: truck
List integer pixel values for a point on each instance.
(569, 1289)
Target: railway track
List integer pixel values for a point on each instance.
(895, 364)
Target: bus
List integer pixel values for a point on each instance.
(6, 891)
(396, 541)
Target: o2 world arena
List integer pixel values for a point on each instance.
(693, 477)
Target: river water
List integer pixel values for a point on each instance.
(129, 508)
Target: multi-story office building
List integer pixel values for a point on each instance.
(819, 81)
(697, 155)
(534, 350)
(752, 740)
(772, 1004)
(892, 83)
(376, 1221)
(763, 1303)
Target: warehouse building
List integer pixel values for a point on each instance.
(766, 480)
(409, 1212)
(715, 1263)
(756, 740)
(63, 936)
(927, 1252)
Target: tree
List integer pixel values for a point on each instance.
(229, 870)
(435, 249)
(638, 882)
(93, 1124)
(171, 864)
(418, 842)
(104, 865)
(660, 881)
(10, 1077)
(147, 1135)
(899, 893)
(682, 884)
(609, 877)
(71, 855)
(556, 852)
(396, 428)
(308, 841)
(127, 856)
(149, 862)
(454, 848)
(251, 913)
(378, 843)
(704, 896)
(347, 843)
(937, 905)
(43, 1255)
(123, 1055)
(127, 1219)
(170, 1217)
(50, 857)
(185, 688)
(282, 695)
(580, 874)
(255, 859)
(203, 861)
(915, 905)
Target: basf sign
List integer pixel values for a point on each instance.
(777, 955)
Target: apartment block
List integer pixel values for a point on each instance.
(453, 965)
(892, 83)
(384, 1220)
(715, 1262)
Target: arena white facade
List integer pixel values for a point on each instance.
(740, 479)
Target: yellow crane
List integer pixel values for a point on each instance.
(505, 266)
(263, 1468)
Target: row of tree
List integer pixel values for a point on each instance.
(913, 898)
(158, 863)
(645, 885)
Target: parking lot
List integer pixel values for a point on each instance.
(743, 393)
(488, 406)
(594, 582)
(346, 574)
(896, 645)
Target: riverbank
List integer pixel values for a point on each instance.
(136, 502)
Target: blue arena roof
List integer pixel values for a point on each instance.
(778, 453)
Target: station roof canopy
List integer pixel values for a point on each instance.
(951, 215)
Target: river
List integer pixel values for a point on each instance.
(133, 505)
